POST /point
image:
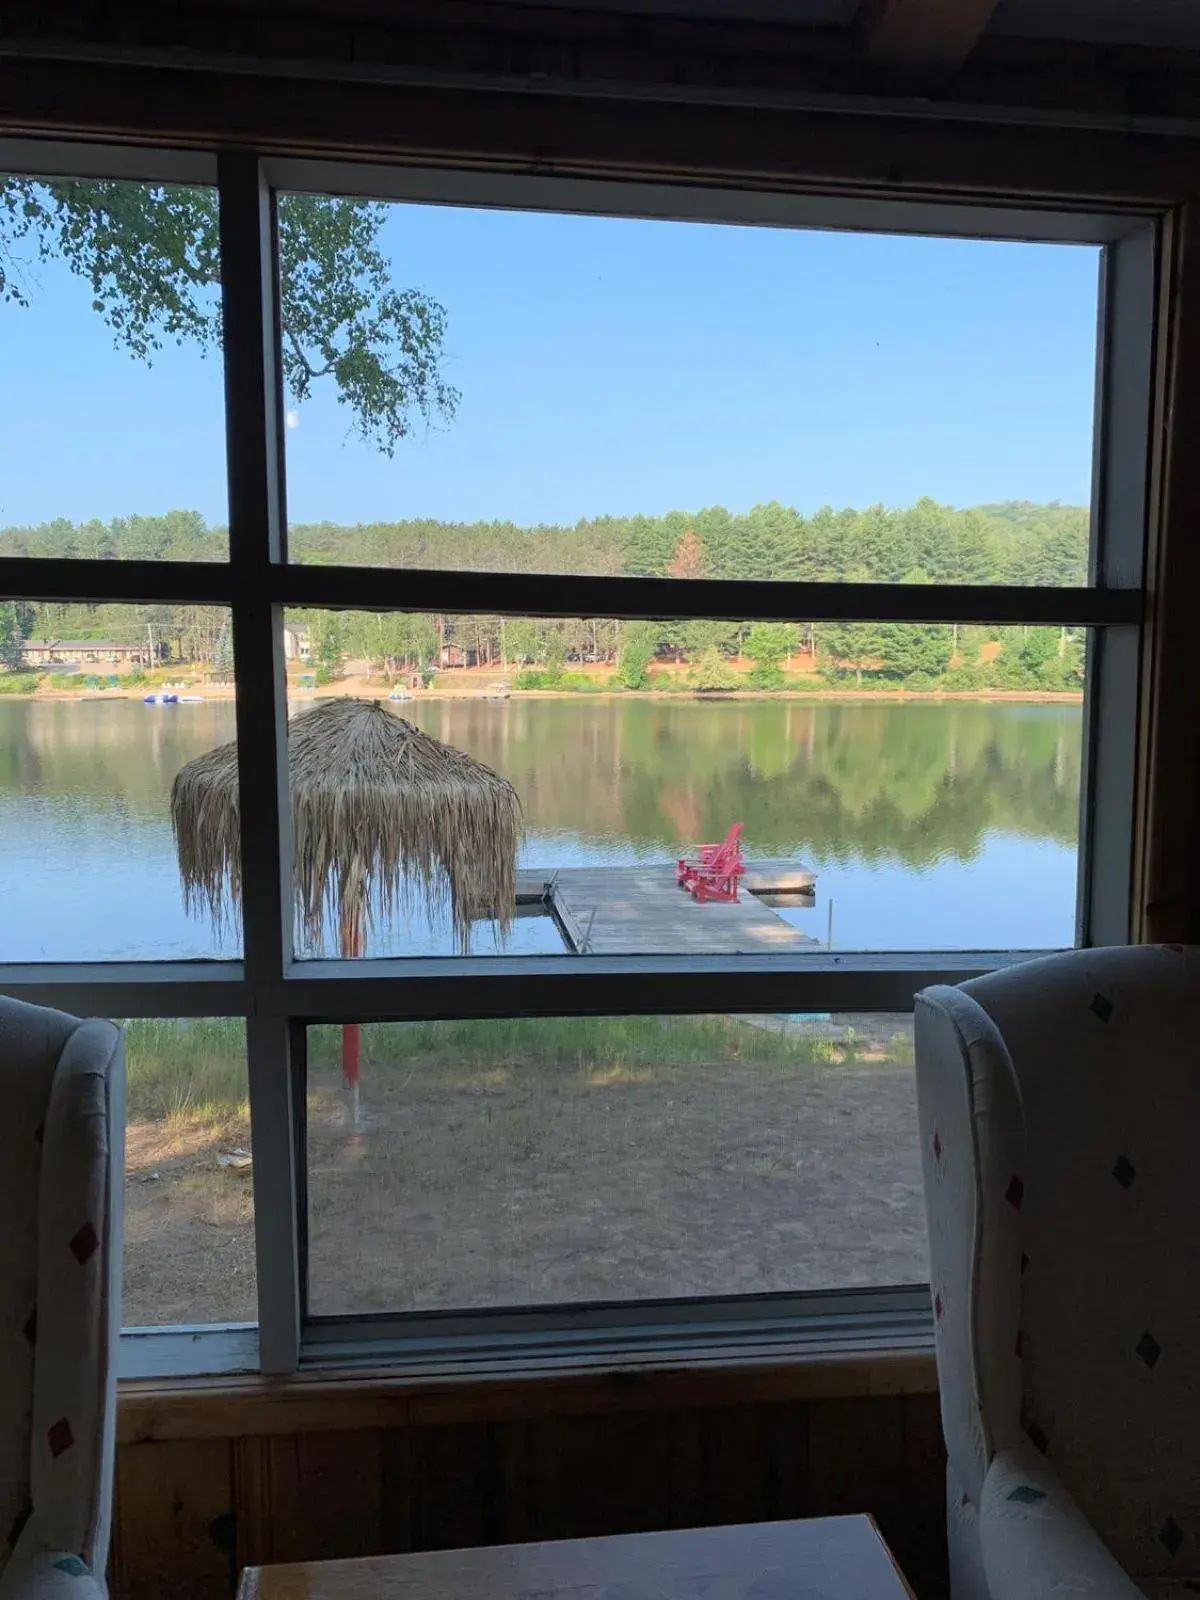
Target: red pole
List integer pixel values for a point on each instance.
(353, 944)
(351, 1041)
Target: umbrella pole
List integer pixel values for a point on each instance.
(353, 944)
(351, 1042)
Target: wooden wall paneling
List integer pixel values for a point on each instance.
(451, 1487)
(786, 1487)
(636, 1492)
(518, 1508)
(768, 1446)
(575, 1477)
(856, 1455)
(395, 1489)
(252, 1500)
(685, 1466)
(734, 1463)
(919, 1534)
(324, 1495)
(885, 1457)
(189, 1512)
(175, 1504)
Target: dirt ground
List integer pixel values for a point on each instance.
(524, 1188)
(189, 1226)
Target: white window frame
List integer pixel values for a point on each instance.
(278, 996)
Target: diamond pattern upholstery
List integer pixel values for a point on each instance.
(61, 1186)
(1064, 1097)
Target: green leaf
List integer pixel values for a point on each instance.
(151, 256)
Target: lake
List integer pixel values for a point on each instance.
(930, 824)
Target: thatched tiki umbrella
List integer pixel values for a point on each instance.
(381, 814)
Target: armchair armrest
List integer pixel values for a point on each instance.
(1036, 1543)
(50, 1575)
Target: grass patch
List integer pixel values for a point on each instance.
(604, 1049)
(561, 682)
(193, 1070)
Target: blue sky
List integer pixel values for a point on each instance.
(610, 366)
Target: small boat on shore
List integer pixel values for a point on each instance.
(160, 700)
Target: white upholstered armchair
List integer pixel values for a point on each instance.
(1060, 1126)
(62, 1140)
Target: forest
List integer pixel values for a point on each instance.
(1013, 543)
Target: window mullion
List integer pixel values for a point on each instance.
(432, 988)
(1120, 495)
(256, 543)
(707, 599)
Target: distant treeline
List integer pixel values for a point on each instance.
(1016, 542)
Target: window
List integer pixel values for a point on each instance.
(112, 337)
(548, 1161)
(537, 580)
(189, 1206)
(107, 704)
(893, 795)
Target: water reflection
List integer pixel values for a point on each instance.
(929, 824)
(848, 781)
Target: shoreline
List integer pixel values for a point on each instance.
(222, 692)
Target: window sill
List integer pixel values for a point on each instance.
(380, 1386)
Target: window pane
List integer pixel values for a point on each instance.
(541, 1161)
(898, 786)
(111, 404)
(189, 1197)
(89, 870)
(579, 394)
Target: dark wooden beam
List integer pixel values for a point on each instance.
(598, 136)
(569, 49)
(926, 36)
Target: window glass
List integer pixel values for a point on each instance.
(895, 786)
(189, 1193)
(112, 409)
(522, 392)
(542, 1161)
(101, 707)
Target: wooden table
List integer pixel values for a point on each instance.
(831, 1558)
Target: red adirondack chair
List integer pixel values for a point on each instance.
(713, 873)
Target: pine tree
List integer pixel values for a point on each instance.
(908, 647)
(639, 645)
(768, 644)
(689, 559)
(16, 622)
(720, 556)
(223, 653)
(857, 646)
(329, 641)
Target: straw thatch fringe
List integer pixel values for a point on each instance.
(379, 809)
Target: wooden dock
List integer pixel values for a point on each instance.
(640, 910)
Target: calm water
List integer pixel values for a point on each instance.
(929, 825)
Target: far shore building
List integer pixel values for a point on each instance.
(83, 653)
(297, 644)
